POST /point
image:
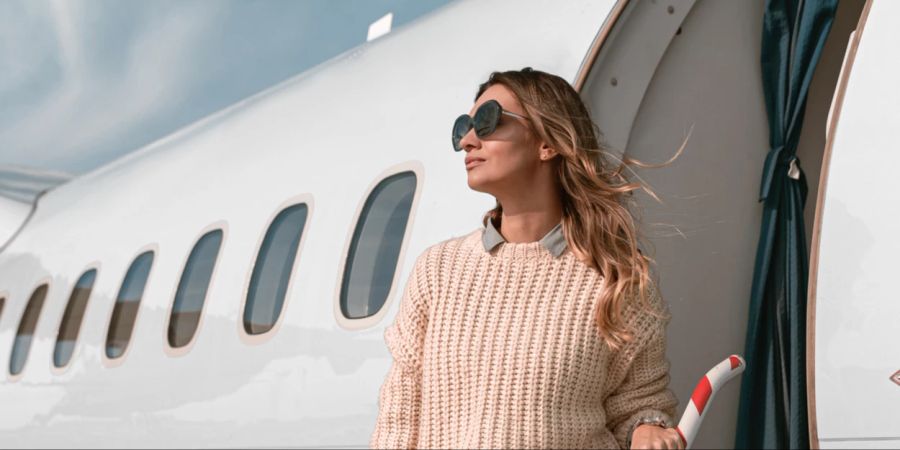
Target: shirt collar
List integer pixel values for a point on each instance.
(554, 241)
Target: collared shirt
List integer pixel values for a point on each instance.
(554, 241)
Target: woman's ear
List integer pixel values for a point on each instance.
(547, 153)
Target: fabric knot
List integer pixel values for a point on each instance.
(775, 159)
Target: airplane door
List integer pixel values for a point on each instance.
(854, 339)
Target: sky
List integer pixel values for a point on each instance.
(85, 82)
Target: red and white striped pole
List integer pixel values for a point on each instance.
(703, 393)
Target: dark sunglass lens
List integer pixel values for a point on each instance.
(487, 117)
(462, 126)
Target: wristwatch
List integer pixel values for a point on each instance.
(657, 419)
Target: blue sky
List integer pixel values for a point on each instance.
(84, 82)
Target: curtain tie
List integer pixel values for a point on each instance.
(777, 157)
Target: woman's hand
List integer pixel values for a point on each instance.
(654, 436)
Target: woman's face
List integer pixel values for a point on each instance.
(507, 158)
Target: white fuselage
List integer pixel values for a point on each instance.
(324, 138)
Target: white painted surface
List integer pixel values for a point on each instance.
(12, 215)
(862, 443)
(857, 305)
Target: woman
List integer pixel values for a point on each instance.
(542, 328)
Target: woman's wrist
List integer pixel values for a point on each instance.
(658, 420)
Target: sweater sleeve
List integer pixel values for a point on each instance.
(644, 391)
(399, 402)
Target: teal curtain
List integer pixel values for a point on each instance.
(772, 411)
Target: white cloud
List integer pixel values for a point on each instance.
(66, 16)
(22, 49)
(156, 71)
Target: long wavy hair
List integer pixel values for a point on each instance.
(598, 208)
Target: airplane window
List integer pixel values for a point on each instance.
(27, 326)
(71, 323)
(272, 271)
(127, 302)
(375, 247)
(192, 288)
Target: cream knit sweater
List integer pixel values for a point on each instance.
(499, 350)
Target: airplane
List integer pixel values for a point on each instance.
(229, 284)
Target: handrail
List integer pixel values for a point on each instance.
(704, 392)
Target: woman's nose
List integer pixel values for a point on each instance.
(470, 141)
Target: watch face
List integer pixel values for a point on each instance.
(657, 420)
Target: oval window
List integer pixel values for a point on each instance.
(24, 335)
(375, 246)
(192, 289)
(272, 271)
(127, 302)
(72, 318)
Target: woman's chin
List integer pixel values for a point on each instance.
(476, 183)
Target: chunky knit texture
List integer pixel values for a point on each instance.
(500, 349)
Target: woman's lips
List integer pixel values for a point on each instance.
(473, 163)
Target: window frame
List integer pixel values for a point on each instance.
(116, 362)
(45, 280)
(95, 265)
(221, 225)
(417, 168)
(256, 339)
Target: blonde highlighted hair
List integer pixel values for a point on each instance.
(596, 195)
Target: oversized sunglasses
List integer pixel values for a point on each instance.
(487, 116)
